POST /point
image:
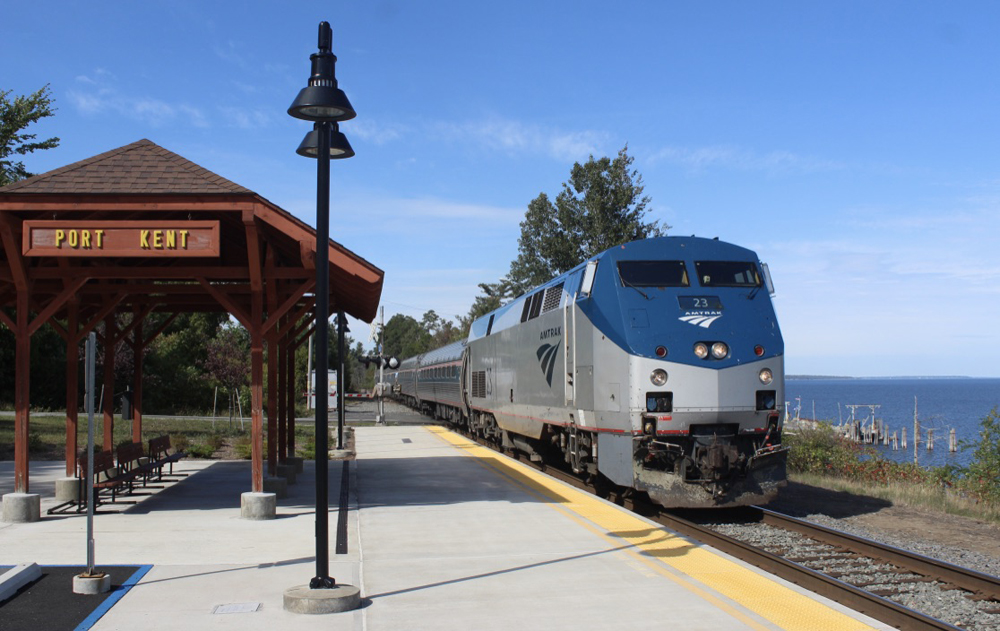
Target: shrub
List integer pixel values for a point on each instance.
(981, 479)
(180, 442)
(243, 447)
(200, 451)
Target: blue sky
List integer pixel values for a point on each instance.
(853, 145)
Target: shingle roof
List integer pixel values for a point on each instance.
(141, 167)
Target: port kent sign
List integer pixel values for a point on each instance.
(121, 238)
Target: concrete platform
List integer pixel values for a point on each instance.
(440, 534)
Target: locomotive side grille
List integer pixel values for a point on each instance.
(479, 384)
(553, 295)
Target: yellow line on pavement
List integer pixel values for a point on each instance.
(702, 570)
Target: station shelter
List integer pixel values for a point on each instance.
(142, 230)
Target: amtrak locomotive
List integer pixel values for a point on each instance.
(655, 367)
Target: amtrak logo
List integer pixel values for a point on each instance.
(547, 359)
(704, 319)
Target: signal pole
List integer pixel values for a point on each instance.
(380, 415)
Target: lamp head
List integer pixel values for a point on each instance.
(321, 99)
(340, 148)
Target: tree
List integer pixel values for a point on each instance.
(601, 206)
(228, 361)
(15, 116)
(404, 337)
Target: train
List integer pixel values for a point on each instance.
(655, 367)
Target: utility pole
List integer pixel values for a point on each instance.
(380, 415)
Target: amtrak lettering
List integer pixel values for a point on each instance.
(547, 333)
(547, 359)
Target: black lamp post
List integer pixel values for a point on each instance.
(325, 104)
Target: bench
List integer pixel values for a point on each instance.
(160, 454)
(134, 464)
(107, 477)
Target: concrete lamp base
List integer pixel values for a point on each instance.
(302, 599)
(92, 585)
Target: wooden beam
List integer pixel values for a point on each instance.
(12, 247)
(141, 311)
(253, 252)
(55, 304)
(108, 307)
(227, 302)
(160, 329)
(213, 272)
(273, 317)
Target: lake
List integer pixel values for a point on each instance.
(942, 404)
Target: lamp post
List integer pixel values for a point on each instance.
(322, 102)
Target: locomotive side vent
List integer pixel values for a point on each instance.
(479, 384)
(553, 296)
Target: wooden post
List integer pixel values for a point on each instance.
(138, 347)
(109, 382)
(22, 361)
(72, 389)
(290, 427)
(282, 397)
(257, 393)
(272, 402)
(952, 441)
(904, 438)
(930, 439)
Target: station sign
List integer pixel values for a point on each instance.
(121, 238)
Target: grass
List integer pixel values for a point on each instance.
(201, 438)
(938, 499)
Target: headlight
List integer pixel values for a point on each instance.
(701, 350)
(765, 376)
(658, 377)
(720, 350)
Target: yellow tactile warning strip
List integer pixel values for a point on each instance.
(760, 602)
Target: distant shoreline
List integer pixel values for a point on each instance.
(815, 377)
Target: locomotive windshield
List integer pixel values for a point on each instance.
(653, 273)
(727, 274)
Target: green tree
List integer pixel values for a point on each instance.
(601, 206)
(404, 337)
(15, 116)
(227, 361)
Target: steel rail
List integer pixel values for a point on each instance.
(882, 609)
(981, 584)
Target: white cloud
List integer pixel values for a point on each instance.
(243, 118)
(517, 137)
(699, 159)
(100, 98)
(373, 131)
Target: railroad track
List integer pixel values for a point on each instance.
(859, 573)
(864, 575)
